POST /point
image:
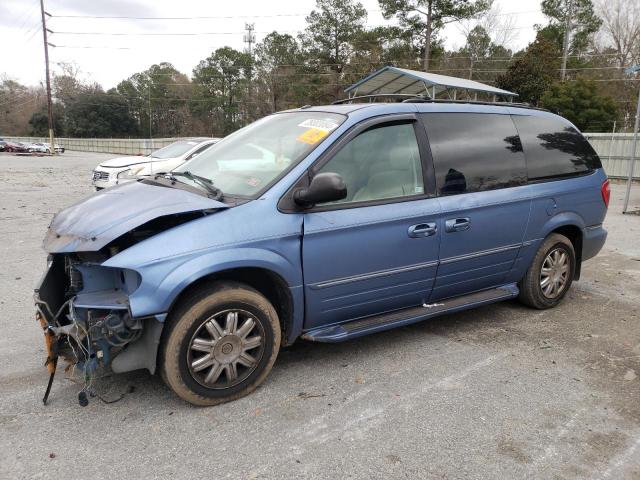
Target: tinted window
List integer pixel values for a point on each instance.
(473, 152)
(553, 148)
(383, 162)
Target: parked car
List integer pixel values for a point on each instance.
(2, 145)
(126, 169)
(57, 148)
(16, 147)
(38, 147)
(323, 223)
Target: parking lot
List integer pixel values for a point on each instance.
(502, 391)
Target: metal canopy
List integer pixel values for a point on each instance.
(401, 80)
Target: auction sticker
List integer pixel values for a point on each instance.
(325, 124)
(312, 136)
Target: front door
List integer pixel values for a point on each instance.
(377, 250)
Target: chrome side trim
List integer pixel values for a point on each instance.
(480, 253)
(410, 268)
(378, 274)
(594, 227)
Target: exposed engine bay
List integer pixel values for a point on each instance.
(83, 308)
(83, 305)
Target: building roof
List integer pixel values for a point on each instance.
(401, 80)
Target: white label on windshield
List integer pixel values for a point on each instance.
(320, 123)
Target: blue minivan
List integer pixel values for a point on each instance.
(321, 223)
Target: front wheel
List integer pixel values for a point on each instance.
(550, 274)
(220, 344)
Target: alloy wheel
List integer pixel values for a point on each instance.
(225, 349)
(554, 273)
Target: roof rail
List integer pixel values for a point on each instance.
(417, 98)
(473, 102)
(377, 95)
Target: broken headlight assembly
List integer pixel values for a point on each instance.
(84, 311)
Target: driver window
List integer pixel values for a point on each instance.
(382, 162)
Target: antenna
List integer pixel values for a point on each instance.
(249, 37)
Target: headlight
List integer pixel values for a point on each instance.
(131, 173)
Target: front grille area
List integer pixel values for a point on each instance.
(97, 176)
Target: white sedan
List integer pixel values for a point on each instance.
(38, 148)
(126, 169)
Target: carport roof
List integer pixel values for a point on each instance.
(394, 80)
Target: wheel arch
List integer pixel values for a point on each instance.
(266, 281)
(571, 226)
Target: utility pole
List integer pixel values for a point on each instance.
(46, 64)
(565, 45)
(249, 36)
(149, 105)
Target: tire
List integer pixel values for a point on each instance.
(557, 256)
(200, 355)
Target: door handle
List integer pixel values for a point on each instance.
(422, 230)
(457, 225)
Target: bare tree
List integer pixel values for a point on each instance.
(621, 28)
(500, 27)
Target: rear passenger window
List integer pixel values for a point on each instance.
(553, 148)
(473, 152)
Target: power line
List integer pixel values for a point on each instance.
(221, 17)
(154, 34)
(225, 17)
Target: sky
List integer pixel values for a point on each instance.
(108, 59)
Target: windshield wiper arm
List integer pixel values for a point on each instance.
(202, 181)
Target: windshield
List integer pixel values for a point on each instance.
(251, 158)
(175, 149)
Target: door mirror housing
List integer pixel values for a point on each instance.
(324, 187)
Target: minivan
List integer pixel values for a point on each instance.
(321, 223)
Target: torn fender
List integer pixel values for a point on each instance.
(99, 219)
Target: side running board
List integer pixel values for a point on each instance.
(386, 321)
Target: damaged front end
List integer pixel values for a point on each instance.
(84, 310)
(83, 305)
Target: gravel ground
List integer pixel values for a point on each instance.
(497, 392)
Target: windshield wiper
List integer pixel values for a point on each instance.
(202, 181)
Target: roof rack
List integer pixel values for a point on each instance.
(377, 95)
(413, 98)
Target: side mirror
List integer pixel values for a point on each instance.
(324, 187)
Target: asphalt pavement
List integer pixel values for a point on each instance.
(502, 391)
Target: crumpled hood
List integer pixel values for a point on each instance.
(99, 219)
(120, 162)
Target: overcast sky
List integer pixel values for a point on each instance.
(115, 57)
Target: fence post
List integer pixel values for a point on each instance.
(633, 156)
(613, 132)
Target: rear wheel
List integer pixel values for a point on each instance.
(221, 343)
(550, 274)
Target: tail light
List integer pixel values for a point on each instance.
(606, 192)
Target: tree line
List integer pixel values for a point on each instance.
(231, 88)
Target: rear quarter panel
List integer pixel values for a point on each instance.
(573, 201)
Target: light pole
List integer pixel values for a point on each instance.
(634, 69)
